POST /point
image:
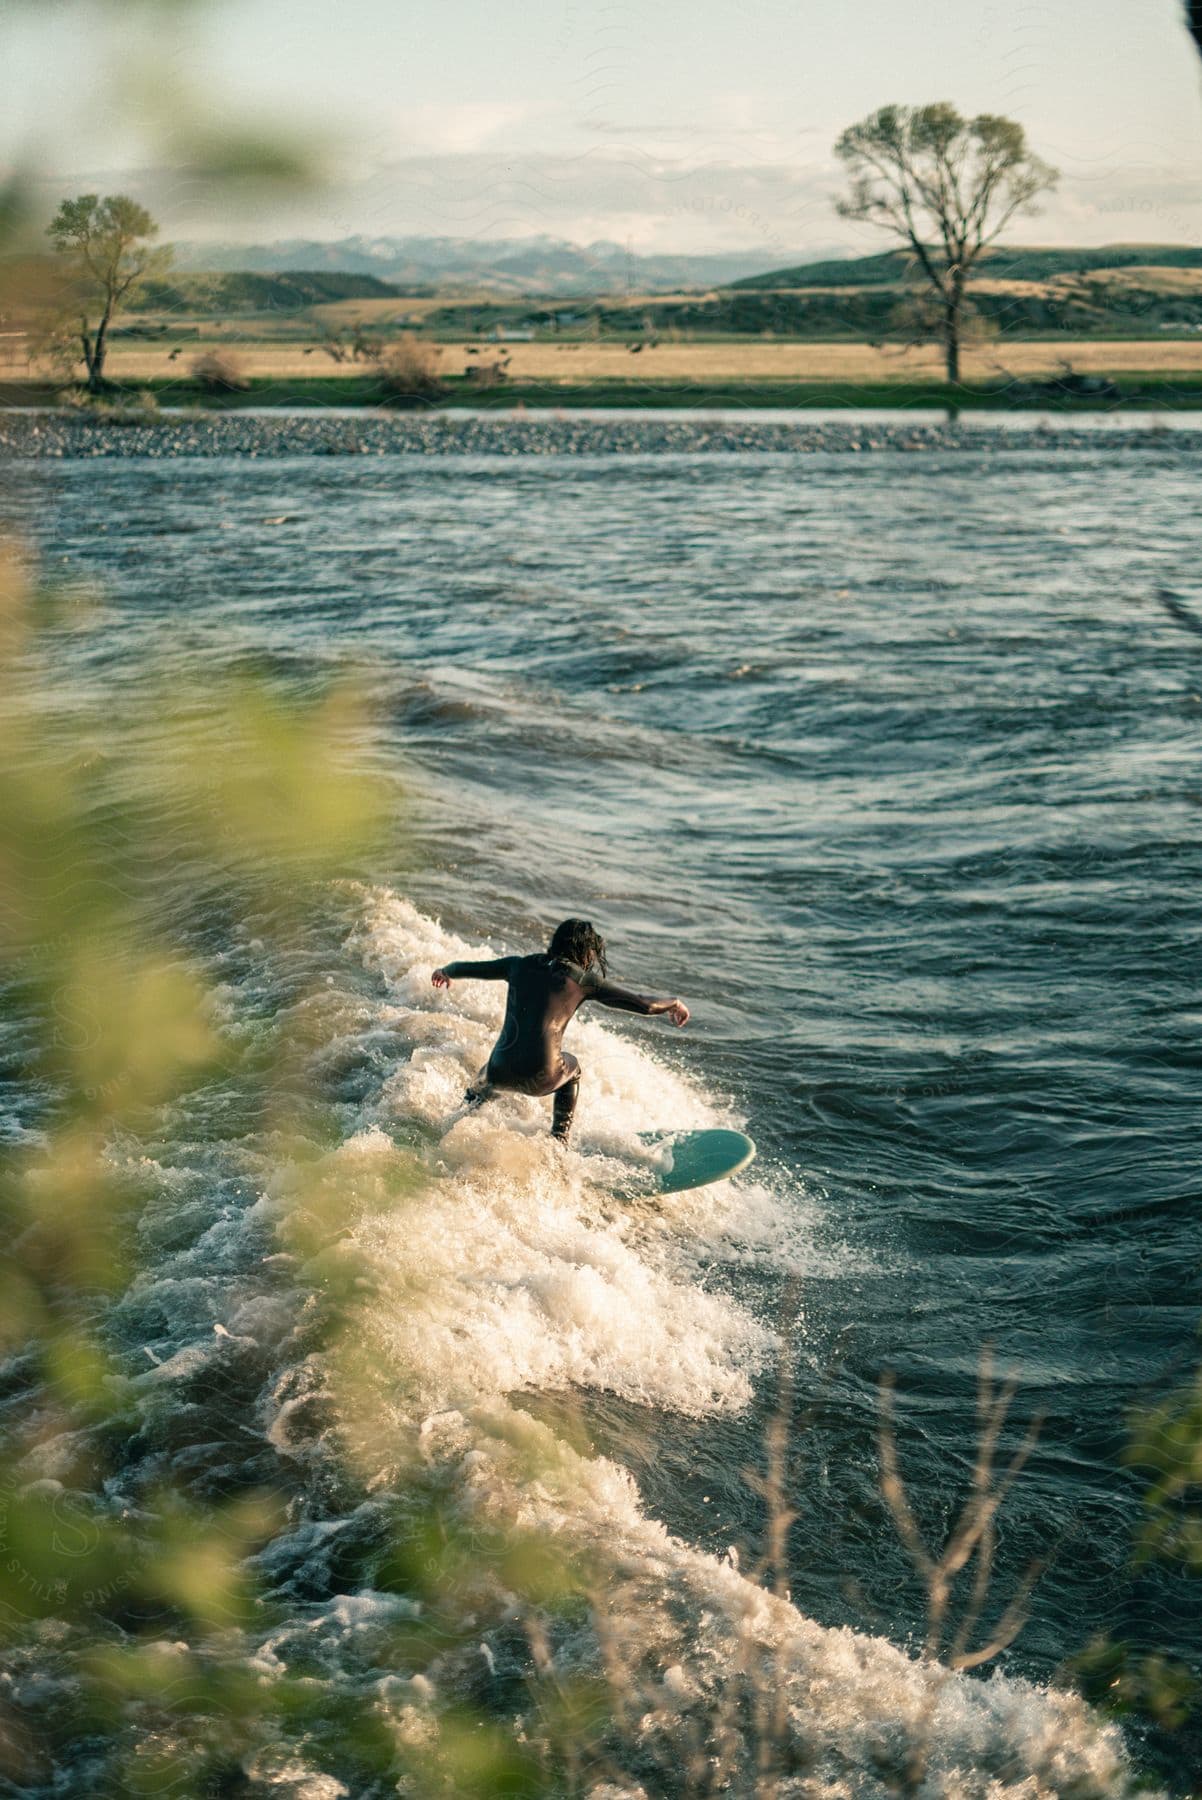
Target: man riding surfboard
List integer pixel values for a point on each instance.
(545, 993)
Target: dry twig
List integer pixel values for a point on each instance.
(973, 1537)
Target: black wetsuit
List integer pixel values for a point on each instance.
(545, 994)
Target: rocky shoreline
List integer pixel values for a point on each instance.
(52, 435)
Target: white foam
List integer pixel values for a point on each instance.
(511, 1267)
(530, 1275)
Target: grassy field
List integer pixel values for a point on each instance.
(1168, 393)
(698, 364)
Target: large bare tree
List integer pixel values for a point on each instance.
(106, 246)
(946, 187)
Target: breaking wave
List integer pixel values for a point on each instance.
(495, 1267)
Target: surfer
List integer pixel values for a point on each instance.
(545, 993)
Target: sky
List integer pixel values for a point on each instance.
(686, 125)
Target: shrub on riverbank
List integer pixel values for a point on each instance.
(408, 372)
(219, 373)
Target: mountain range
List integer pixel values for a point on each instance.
(534, 265)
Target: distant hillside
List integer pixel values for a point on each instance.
(1005, 263)
(545, 266)
(1129, 302)
(243, 291)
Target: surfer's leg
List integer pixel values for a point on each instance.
(563, 1109)
(481, 1089)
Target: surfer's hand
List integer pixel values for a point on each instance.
(440, 978)
(678, 1012)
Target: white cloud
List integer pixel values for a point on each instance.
(624, 193)
(620, 193)
(458, 128)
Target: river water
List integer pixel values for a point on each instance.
(890, 767)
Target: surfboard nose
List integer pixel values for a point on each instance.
(697, 1158)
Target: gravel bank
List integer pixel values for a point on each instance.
(25, 434)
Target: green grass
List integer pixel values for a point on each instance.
(1168, 391)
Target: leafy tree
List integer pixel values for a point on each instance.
(946, 186)
(106, 245)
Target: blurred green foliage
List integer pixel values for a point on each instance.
(113, 821)
(254, 790)
(125, 1627)
(1167, 1444)
(1165, 1447)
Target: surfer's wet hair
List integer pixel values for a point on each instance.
(576, 941)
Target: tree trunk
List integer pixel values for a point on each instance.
(952, 320)
(951, 340)
(99, 349)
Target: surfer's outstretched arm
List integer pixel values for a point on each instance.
(473, 971)
(608, 993)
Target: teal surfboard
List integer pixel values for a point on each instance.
(695, 1158)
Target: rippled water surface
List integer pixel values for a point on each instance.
(890, 767)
